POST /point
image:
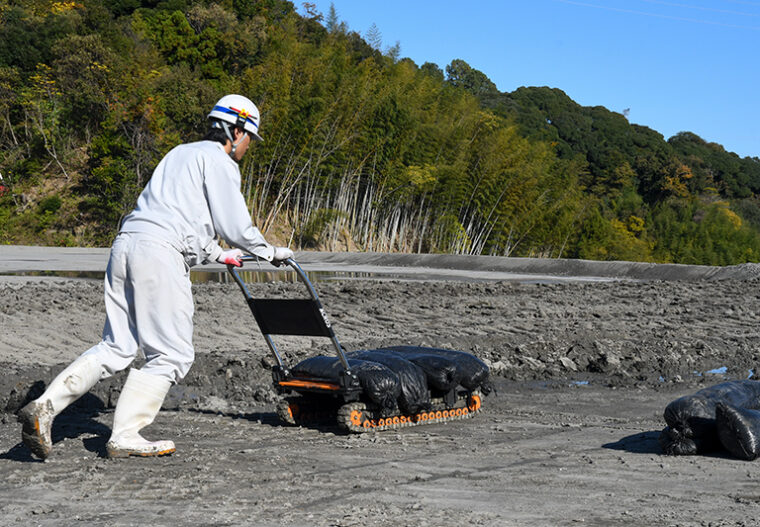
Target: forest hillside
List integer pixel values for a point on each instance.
(364, 150)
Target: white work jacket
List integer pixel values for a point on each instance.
(193, 197)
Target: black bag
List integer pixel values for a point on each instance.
(414, 396)
(738, 430)
(441, 373)
(473, 372)
(379, 383)
(691, 418)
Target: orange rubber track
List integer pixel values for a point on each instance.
(296, 383)
(473, 405)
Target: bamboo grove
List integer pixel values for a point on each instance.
(363, 150)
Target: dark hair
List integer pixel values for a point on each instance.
(219, 135)
(216, 134)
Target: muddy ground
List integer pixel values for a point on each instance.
(583, 371)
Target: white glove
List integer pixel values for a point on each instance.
(231, 257)
(280, 255)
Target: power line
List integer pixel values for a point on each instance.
(700, 8)
(744, 2)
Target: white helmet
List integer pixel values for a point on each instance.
(237, 111)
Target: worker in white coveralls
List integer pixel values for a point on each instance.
(192, 197)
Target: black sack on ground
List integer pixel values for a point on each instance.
(691, 418)
(674, 442)
(414, 396)
(738, 430)
(441, 373)
(378, 382)
(473, 372)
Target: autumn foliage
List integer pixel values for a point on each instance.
(363, 149)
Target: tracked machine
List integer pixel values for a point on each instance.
(366, 390)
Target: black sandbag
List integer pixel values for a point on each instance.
(691, 418)
(738, 430)
(675, 443)
(473, 372)
(441, 373)
(414, 396)
(379, 383)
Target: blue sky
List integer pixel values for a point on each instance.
(681, 65)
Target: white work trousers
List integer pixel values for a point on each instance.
(149, 306)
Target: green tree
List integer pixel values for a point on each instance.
(462, 75)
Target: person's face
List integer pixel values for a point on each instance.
(243, 145)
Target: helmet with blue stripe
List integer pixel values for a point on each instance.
(238, 111)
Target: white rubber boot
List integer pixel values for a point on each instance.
(138, 404)
(37, 416)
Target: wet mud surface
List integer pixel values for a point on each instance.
(583, 372)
